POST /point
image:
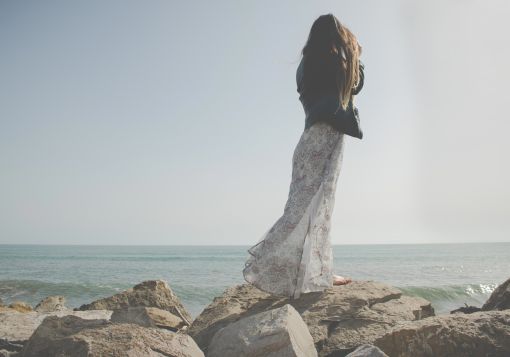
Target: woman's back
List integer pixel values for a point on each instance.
(317, 77)
(320, 96)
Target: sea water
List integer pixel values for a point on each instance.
(448, 275)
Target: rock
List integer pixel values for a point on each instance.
(5, 353)
(10, 347)
(500, 298)
(367, 351)
(16, 328)
(20, 306)
(456, 335)
(152, 293)
(339, 318)
(272, 333)
(51, 303)
(405, 307)
(466, 309)
(73, 336)
(148, 317)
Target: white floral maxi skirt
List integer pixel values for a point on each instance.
(295, 256)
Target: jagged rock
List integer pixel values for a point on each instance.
(20, 306)
(152, 293)
(272, 333)
(339, 318)
(405, 307)
(72, 336)
(367, 351)
(500, 298)
(466, 309)
(455, 335)
(148, 317)
(51, 303)
(9, 347)
(5, 353)
(16, 328)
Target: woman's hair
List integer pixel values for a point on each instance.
(328, 42)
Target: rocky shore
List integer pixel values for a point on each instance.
(363, 318)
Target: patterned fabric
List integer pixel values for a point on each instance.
(295, 256)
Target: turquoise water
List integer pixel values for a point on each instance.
(449, 275)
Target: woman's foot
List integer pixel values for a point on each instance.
(340, 280)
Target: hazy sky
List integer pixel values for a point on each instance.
(174, 122)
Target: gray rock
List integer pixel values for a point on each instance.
(367, 351)
(467, 309)
(149, 317)
(340, 318)
(10, 346)
(455, 335)
(500, 298)
(73, 336)
(51, 303)
(16, 328)
(280, 332)
(5, 353)
(152, 293)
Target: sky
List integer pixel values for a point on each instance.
(174, 122)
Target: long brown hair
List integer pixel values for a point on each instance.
(328, 42)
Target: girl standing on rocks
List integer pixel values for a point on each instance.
(295, 256)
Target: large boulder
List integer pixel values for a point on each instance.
(51, 303)
(456, 335)
(272, 333)
(16, 328)
(72, 336)
(339, 318)
(149, 317)
(500, 298)
(152, 293)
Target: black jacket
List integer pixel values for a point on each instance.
(326, 106)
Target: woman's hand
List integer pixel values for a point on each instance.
(361, 81)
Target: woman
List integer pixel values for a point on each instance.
(294, 256)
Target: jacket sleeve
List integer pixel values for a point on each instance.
(358, 88)
(347, 121)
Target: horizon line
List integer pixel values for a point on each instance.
(229, 245)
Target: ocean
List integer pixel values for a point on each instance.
(448, 275)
